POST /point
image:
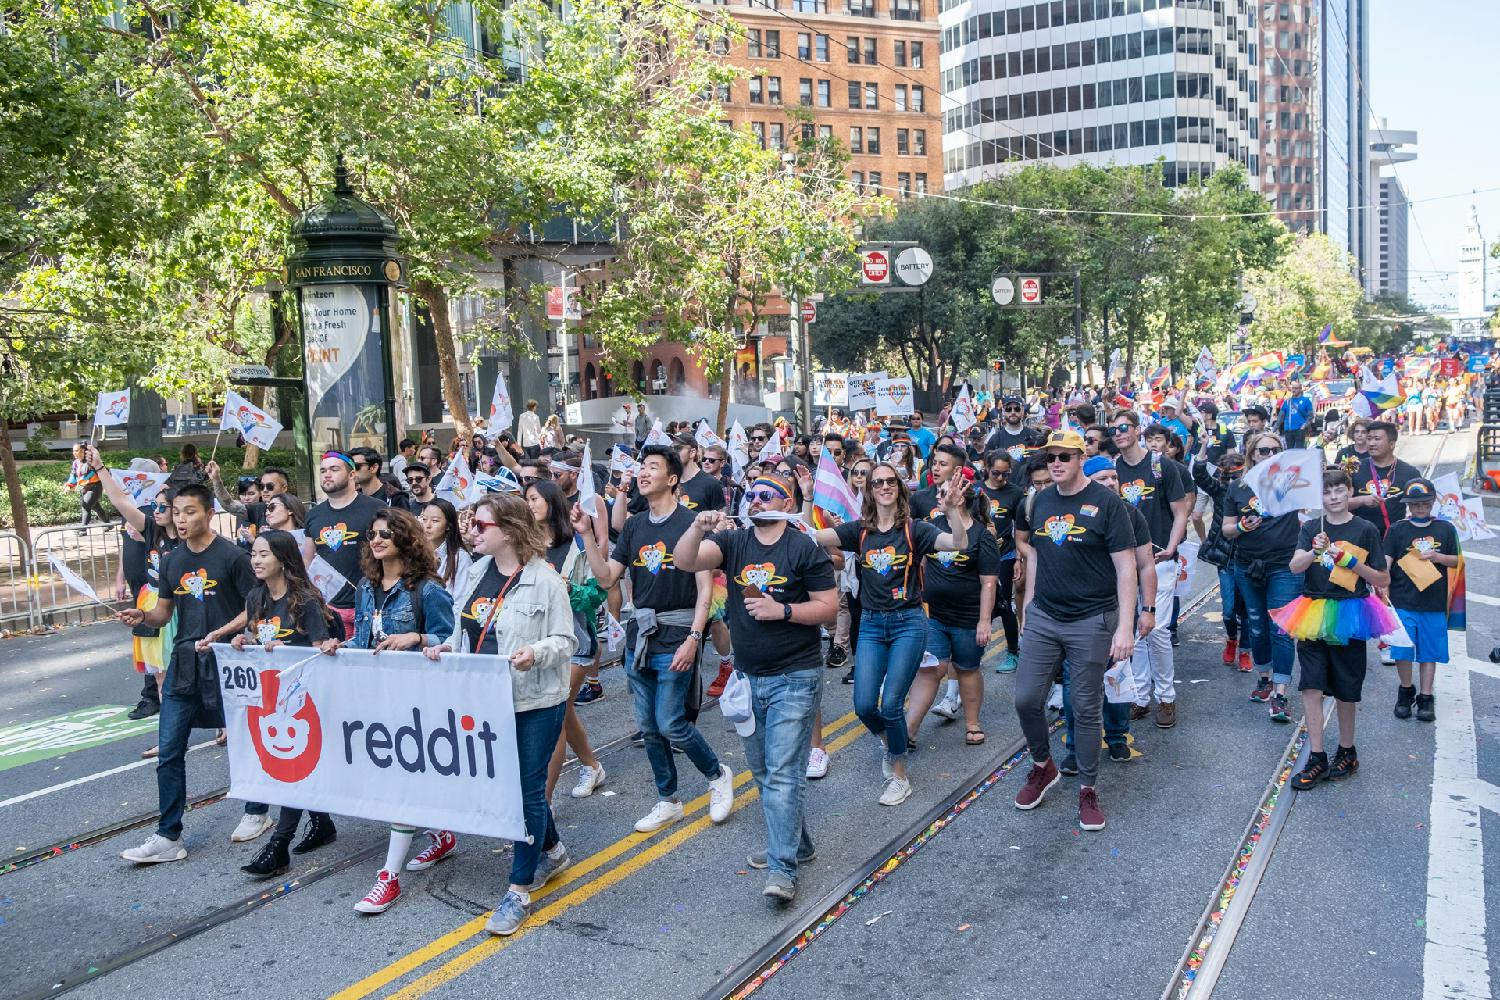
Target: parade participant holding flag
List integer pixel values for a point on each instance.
(337, 526)
(776, 630)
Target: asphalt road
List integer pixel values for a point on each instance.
(1361, 897)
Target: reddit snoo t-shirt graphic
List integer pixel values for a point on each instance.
(288, 737)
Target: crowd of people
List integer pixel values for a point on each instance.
(1062, 519)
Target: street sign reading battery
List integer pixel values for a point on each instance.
(875, 267)
(914, 266)
(1031, 291)
(1002, 290)
(809, 312)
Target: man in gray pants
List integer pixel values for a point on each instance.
(1079, 584)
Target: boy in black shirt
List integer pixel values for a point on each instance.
(204, 582)
(1423, 554)
(1342, 558)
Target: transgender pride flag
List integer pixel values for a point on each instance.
(831, 494)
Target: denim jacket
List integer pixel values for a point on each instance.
(397, 615)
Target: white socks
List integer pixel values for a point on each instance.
(950, 689)
(395, 854)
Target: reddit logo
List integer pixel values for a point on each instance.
(288, 740)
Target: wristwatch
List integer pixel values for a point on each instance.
(1149, 607)
(695, 635)
(786, 612)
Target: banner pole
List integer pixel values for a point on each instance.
(213, 452)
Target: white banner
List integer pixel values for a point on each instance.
(1292, 480)
(830, 389)
(862, 390)
(143, 487)
(962, 413)
(501, 415)
(395, 738)
(893, 397)
(252, 423)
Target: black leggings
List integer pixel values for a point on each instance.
(1005, 600)
(854, 613)
(88, 500)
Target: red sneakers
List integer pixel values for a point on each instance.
(1245, 665)
(1041, 778)
(726, 670)
(1230, 648)
(443, 844)
(381, 898)
(1089, 815)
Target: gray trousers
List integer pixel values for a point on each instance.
(1044, 645)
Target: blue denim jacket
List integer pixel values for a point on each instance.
(398, 617)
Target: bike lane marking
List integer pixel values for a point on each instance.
(30, 742)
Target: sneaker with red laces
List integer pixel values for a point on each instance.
(1245, 665)
(1230, 648)
(1042, 777)
(381, 898)
(443, 844)
(1090, 816)
(1262, 692)
(726, 670)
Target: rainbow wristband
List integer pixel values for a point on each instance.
(1346, 560)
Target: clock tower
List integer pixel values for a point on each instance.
(1472, 257)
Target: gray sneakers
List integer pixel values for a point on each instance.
(760, 862)
(780, 888)
(548, 868)
(508, 916)
(156, 850)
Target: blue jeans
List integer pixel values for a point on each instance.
(179, 717)
(661, 712)
(1270, 647)
(891, 644)
(784, 706)
(1235, 626)
(536, 737)
(1116, 716)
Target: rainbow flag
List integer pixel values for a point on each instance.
(831, 494)
(1159, 377)
(1417, 367)
(1457, 596)
(1327, 339)
(1377, 395)
(1246, 369)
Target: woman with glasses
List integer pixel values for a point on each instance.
(1263, 548)
(400, 605)
(285, 512)
(516, 606)
(889, 547)
(846, 629)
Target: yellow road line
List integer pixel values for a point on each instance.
(460, 964)
(447, 942)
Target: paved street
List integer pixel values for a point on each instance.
(1378, 887)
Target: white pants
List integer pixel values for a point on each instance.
(1152, 663)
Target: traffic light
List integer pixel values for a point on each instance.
(998, 367)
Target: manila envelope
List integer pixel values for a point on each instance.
(1345, 577)
(1422, 573)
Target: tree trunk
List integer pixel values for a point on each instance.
(13, 485)
(435, 297)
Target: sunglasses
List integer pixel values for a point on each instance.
(758, 440)
(1267, 451)
(999, 473)
(762, 496)
(710, 460)
(859, 472)
(1122, 428)
(267, 486)
(1012, 409)
(1060, 457)
(385, 533)
(883, 482)
(835, 454)
(361, 466)
(484, 525)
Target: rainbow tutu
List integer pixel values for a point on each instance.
(1336, 622)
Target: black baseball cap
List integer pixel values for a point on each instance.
(1419, 490)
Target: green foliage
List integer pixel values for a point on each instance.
(1311, 286)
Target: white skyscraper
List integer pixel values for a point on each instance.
(1099, 81)
(1473, 292)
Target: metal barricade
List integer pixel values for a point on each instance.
(93, 553)
(18, 604)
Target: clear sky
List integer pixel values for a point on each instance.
(1433, 69)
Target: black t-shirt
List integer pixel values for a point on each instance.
(1221, 441)
(275, 621)
(133, 556)
(1151, 486)
(1001, 508)
(1406, 537)
(1273, 540)
(250, 523)
(336, 535)
(1348, 459)
(1016, 443)
(1139, 526)
(788, 571)
(890, 568)
(645, 550)
(1316, 582)
(950, 584)
(1393, 479)
(484, 605)
(159, 545)
(208, 589)
(558, 554)
(1074, 537)
(702, 492)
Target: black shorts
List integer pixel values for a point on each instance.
(1335, 670)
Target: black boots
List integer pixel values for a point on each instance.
(319, 832)
(272, 860)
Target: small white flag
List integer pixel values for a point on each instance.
(962, 413)
(620, 460)
(614, 632)
(250, 421)
(658, 436)
(143, 487)
(587, 498)
(739, 449)
(1290, 481)
(501, 416)
(459, 487)
(328, 580)
(73, 580)
(706, 436)
(772, 451)
(112, 409)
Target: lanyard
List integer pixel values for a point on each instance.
(499, 601)
(1380, 493)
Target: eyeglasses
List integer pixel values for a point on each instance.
(1267, 451)
(883, 482)
(835, 454)
(484, 525)
(267, 486)
(1060, 457)
(762, 496)
(1012, 409)
(385, 533)
(999, 473)
(710, 460)
(1122, 428)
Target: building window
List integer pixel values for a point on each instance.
(773, 90)
(807, 131)
(900, 97)
(916, 98)
(752, 43)
(921, 185)
(872, 97)
(824, 94)
(919, 142)
(858, 179)
(804, 92)
(916, 54)
(757, 90)
(854, 50)
(856, 139)
(906, 10)
(900, 47)
(825, 133)
(874, 181)
(903, 142)
(724, 93)
(758, 129)
(854, 92)
(773, 44)
(872, 140)
(820, 48)
(810, 6)
(778, 135)
(859, 8)
(804, 46)
(871, 50)
(903, 185)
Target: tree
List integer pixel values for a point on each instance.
(1311, 286)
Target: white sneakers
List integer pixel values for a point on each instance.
(720, 795)
(817, 763)
(589, 778)
(664, 813)
(251, 827)
(896, 791)
(156, 850)
(948, 708)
